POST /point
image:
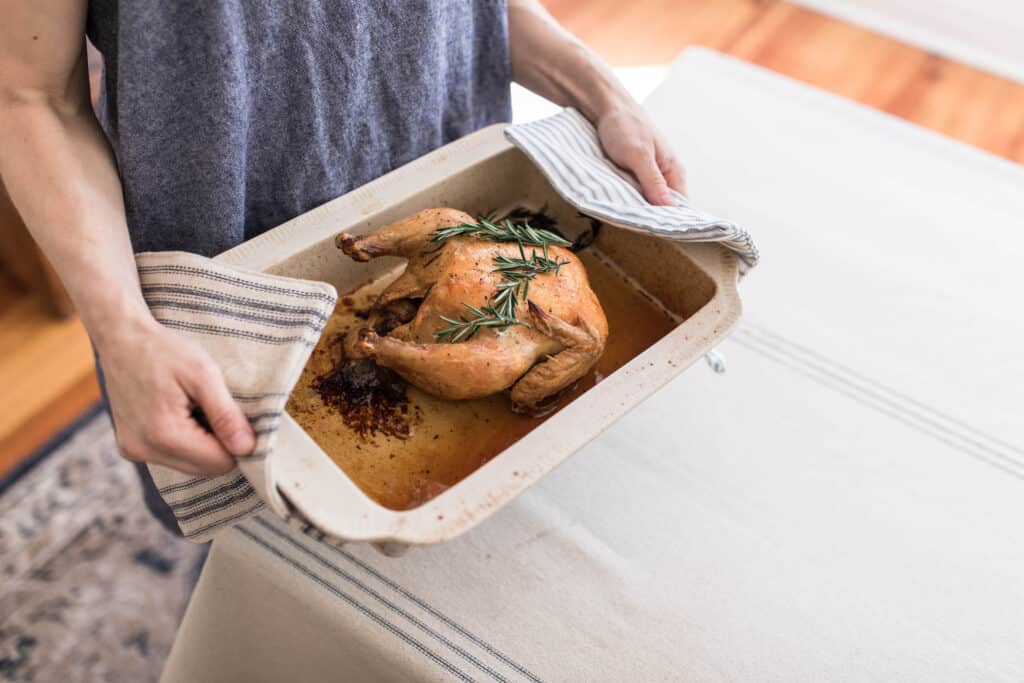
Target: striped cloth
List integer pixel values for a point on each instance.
(260, 329)
(566, 149)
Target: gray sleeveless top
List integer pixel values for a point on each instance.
(228, 117)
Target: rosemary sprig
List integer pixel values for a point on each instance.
(514, 286)
(516, 274)
(505, 231)
(464, 328)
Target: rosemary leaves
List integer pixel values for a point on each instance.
(516, 274)
(505, 231)
(464, 328)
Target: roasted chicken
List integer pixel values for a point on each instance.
(559, 334)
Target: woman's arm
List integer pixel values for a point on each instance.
(61, 175)
(551, 62)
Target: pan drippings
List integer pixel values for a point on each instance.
(402, 446)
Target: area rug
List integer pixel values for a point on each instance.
(91, 587)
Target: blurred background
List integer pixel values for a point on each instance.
(955, 66)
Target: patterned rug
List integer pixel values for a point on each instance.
(91, 587)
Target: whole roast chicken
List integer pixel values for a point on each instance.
(449, 324)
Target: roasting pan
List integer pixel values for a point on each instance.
(479, 174)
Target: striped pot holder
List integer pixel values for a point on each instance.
(566, 150)
(260, 329)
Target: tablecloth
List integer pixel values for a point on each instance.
(845, 504)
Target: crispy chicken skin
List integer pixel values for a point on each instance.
(565, 337)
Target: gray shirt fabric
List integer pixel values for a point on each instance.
(228, 117)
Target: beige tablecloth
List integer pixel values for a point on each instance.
(845, 504)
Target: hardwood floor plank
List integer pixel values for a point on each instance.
(832, 55)
(20, 320)
(656, 31)
(1017, 146)
(959, 101)
(56, 360)
(18, 444)
(967, 104)
(42, 361)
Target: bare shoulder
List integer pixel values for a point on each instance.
(42, 48)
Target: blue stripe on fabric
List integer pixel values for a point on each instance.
(566, 149)
(359, 606)
(590, 164)
(368, 590)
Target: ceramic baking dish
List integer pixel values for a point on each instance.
(481, 173)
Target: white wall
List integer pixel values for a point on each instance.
(985, 33)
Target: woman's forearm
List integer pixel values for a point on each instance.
(60, 174)
(551, 62)
(58, 167)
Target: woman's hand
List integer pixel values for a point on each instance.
(154, 380)
(59, 169)
(630, 140)
(554, 64)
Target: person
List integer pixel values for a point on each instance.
(220, 119)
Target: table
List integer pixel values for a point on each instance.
(844, 504)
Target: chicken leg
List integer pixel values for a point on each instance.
(407, 238)
(442, 369)
(581, 347)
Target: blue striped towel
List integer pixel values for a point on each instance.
(260, 329)
(566, 150)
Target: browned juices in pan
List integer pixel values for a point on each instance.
(410, 448)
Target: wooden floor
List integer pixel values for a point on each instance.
(46, 372)
(46, 366)
(956, 100)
